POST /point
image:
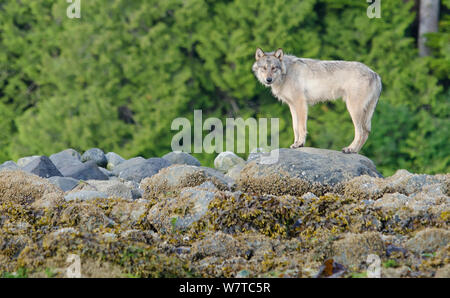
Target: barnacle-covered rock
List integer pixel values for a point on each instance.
(297, 171)
(353, 249)
(172, 179)
(24, 188)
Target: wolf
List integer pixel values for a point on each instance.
(300, 82)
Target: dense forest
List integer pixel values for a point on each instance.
(116, 77)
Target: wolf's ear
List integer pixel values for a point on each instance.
(279, 54)
(259, 54)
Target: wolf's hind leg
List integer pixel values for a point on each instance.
(359, 115)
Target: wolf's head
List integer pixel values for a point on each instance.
(269, 67)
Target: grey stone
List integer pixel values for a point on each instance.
(66, 159)
(113, 160)
(115, 189)
(42, 167)
(181, 158)
(106, 172)
(65, 183)
(9, 165)
(127, 164)
(227, 160)
(235, 172)
(85, 195)
(85, 171)
(144, 169)
(22, 162)
(96, 155)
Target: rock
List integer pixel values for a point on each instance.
(429, 240)
(353, 249)
(181, 158)
(113, 160)
(406, 183)
(65, 159)
(218, 244)
(144, 169)
(65, 183)
(23, 188)
(235, 172)
(96, 155)
(401, 182)
(297, 171)
(116, 189)
(402, 271)
(165, 216)
(176, 177)
(107, 172)
(226, 160)
(256, 154)
(138, 236)
(9, 166)
(22, 162)
(443, 272)
(85, 195)
(127, 164)
(365, 187)
(43, 167)
(85, 171)
(49, 201)
(85, 217)
(129, 214)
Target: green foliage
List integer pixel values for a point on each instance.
(21, 273)
(117, 77)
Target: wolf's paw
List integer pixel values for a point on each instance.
(348, 150)
(296, 145)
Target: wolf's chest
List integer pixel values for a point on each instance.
(284, 93)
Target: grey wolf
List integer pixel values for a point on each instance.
(300, 82)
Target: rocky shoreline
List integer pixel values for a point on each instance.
(312, 213)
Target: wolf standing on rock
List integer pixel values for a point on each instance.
(301, 81)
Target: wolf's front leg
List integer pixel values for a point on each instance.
(299, 111)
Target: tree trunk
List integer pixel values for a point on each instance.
(428, 22)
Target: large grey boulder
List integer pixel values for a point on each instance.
(181, 158)
(42, 167)
(85, 171)
(127, 164)
(297, 171)
(96, 155)
(66, 159)
(141, 170)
